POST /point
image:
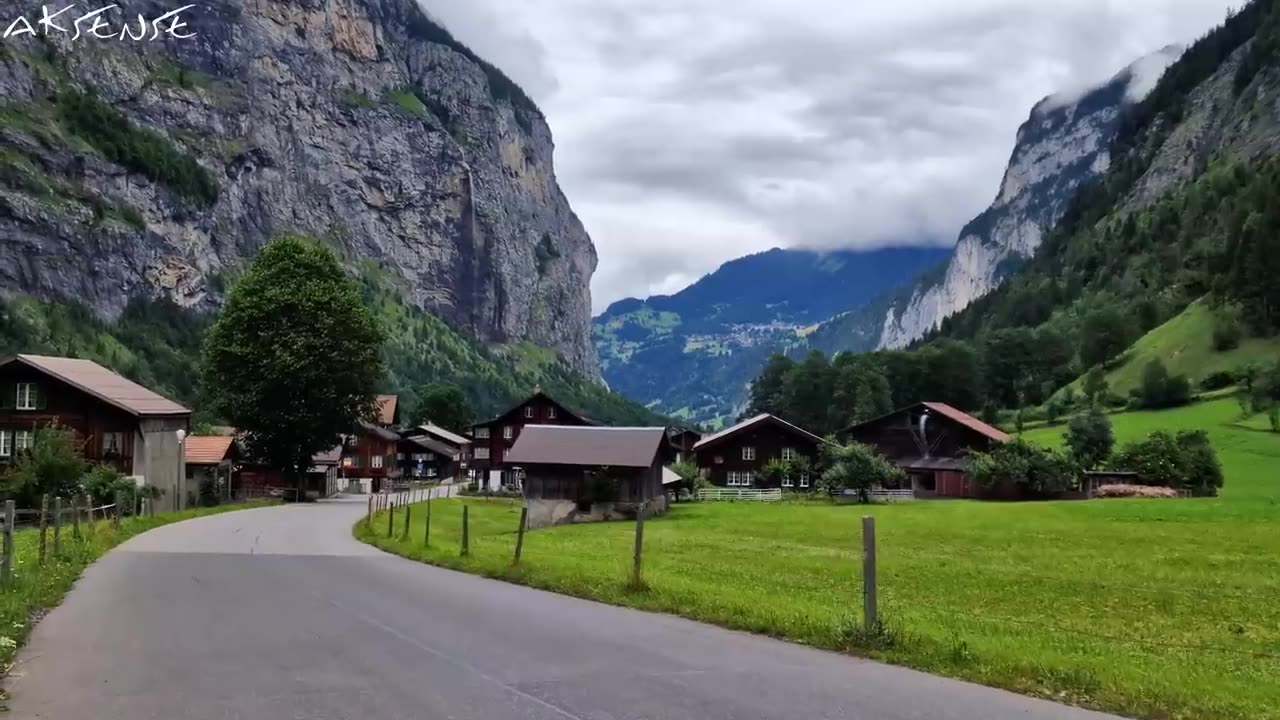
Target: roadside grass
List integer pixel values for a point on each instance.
(35, 589)
(1151, 608)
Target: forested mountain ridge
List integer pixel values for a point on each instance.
(692, 353)
(1063, 146)
(153, 169)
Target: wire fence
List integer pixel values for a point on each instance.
(55, 514)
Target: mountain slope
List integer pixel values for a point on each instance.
(1060, 148)
(153, 169)
(693, 353)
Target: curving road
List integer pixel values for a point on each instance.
(278, 614)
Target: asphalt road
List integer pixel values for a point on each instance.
(278, 614)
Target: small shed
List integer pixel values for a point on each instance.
(588, 473)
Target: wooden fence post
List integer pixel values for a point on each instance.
(466, 537)
(407, 512)
(115, 521)
(75, 518)
(44, 523)
(368, 518)
(524, 518)
(637, 579)
(10, 509)
(57, 526)
(869, 615)
(88, 511)
(391, 519)
(426, 532)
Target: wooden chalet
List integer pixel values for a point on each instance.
(486, 461)
(211, 464)
(931, 441)
(682, 441)
(430, 452)
(586, 473)
(116, 421)
(369, 453)
(254, 478)
(735, 456)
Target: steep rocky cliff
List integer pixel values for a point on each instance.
(1063, 145)
(159, 167)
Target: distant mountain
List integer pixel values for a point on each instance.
(692, 353)
(1062, 146)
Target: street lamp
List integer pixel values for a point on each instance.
(179, 479)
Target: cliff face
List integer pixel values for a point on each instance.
(1063, 145)
(360, 122)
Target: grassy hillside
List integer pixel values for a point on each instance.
(1248, 451)
(1185, 345)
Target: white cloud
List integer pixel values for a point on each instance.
(690, 132)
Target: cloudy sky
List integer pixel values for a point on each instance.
(691, 132)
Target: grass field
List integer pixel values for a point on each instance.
(35, 589)
(1155, 608)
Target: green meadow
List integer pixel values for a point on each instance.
(1151, 608)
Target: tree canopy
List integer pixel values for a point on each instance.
(295, 358)
(443, 405)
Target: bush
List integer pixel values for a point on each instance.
(1090, 438)
(1228, 329)
(52, 466)
(1134, 491)
(1037, 471)
(1159, 389)
(1186, 461)
(1218, 381)
(857, 467)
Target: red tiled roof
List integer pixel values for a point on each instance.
(110, 387)
(206, 449)
(968, 421)
(387, 409)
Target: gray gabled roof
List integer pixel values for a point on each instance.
(752, 422)
(447, 436)
(96, 380)
(587, 445)
(429, 443)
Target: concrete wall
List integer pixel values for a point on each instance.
(158, 457)
(548, 513)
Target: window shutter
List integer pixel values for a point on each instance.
(41, 402)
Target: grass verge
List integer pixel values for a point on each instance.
(35, 589)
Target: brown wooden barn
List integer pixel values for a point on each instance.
(931, 442)
(576, 474)
(735, 456)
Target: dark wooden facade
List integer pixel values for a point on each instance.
(104, 433)
(423, 458)
(735, 457)
(370, 452)
(682, 442)
(492, 439)
(931, 443)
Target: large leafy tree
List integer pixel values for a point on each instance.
(766, 391)
(1090, 438)
(295, 358)
(857, 467)
(1105, 333)
(443, 405)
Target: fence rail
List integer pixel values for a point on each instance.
(773, 495)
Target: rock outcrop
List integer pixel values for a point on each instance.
(1063, 145)
(360, 122)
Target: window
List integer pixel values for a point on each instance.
(551, 413)
(346, 462)
(22, 440)
(482, 433)
(528, 411)
(804, 480)
(376, 462)
(787, 481)
(112, 443)
(508, 432)
(400, 456)
(26, 396)
(748, 453)
(6, 445)
(741, 479)
(356, 461)
(788, 454)
(482, 453)
(719, 460)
